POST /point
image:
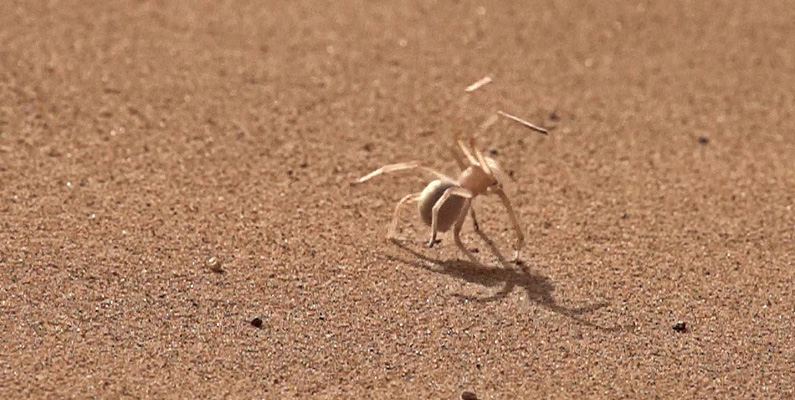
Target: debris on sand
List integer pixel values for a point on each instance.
(703, 140)
(680, 326)
(467, 395)
(214, 265)
(479, 84)
(526, 124)
(256, 322)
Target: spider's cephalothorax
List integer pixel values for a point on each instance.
(445, 202)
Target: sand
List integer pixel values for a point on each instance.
(140, 139)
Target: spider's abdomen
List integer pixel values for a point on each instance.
(449, 212)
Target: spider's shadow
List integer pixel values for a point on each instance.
(538, 288)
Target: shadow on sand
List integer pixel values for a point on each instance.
(538, 288)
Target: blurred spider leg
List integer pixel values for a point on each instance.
(485, 126)
(455, 190)
(473, 143)
(457, 230)
(457, 157)
(474, 219)
(386, 169)
(463, 147)
(514, 221)
(481, 161)
(392, 235)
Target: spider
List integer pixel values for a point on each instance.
(445, 202)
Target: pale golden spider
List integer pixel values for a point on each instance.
(445, 202)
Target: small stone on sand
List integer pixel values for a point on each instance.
(214, 264)
(467, 395)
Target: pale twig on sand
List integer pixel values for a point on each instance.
(525, 123)
(477, 85)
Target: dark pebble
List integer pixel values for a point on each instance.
(493, 151)
(256, 322)
(680, 326)
(554, 116)
(467, 395)
(703, 139)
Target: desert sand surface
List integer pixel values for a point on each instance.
(140, 139)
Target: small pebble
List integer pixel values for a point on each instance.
(256, 322)
(493, 151)
(214, 264)
(467, 395)
(703, 140)
(680, 326)
(554, 116)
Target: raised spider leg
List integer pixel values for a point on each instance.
(392, 235)
(474, 145)
(514, 220)
(485, 126)
(495, 168)
(455, 190)
(457, 157)
(472, 160)
(463, 166)
(400, 167)
(457, 230)
(483, 164)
